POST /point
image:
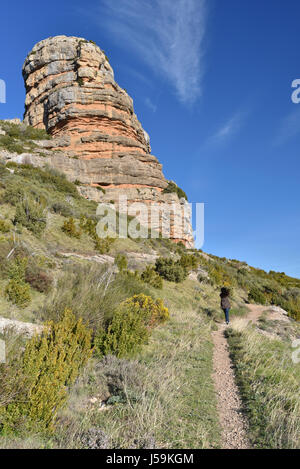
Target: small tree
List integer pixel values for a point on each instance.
(151, 277)
(170, 270)
(70, 229)
(121, 262)
(131, 326)
(51, 363)
(31, 213)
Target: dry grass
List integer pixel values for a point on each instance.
(30, 442)
(165, 399)
(269, 382)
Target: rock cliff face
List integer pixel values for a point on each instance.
(71, 91)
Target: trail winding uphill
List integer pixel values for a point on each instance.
(232, 419)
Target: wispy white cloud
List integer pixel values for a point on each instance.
(289, 127)
(150, 105)
(228, 128)
(168, 35)
(138, 76)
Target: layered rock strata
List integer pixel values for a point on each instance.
(97, 138)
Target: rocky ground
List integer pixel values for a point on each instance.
(19, 326)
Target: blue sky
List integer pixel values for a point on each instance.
(211, 82)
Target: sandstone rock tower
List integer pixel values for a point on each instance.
(71, 91)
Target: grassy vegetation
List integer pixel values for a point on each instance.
(151, 277)
(20, 138)
(269, 384)
(185, 360)
(131, 326)
(94, 305)
(164, 398)
(146, 386)
(173, 188)
(187, 394)
(170, 269)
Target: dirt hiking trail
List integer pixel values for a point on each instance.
(232, 419)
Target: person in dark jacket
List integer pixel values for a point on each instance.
(225, 303)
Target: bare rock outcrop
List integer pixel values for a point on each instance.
(20, 327)
(97, 138)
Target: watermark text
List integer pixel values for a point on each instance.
(2, 91)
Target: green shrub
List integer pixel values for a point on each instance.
(5, 248)
(23, 132)
(173, 188)
(292, 305)
(189, 261)
(103, 245)
(121, 262)
(69, 227)
(18, 292)
(51, 363)
(13, 195)
(62, 208)
(35, 134)
(13, 268)
(218, 275)
(154, 311)
(19, 138)
(293, 308)
(89, 225)
(3, 170)
(257, 296)
(4, 226)
(16, 269)
(131, 326)
(12, 164)
(11, 145)
(170, 270)
(11, 378)
(124, 336)
(31, 213)
(181, 247)
(50, 178)
(152, 278)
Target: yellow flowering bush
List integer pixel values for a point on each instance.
(131, 326)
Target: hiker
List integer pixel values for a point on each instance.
(225, 303)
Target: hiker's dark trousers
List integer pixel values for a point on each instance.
(226, 311)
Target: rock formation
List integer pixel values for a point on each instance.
(71, 91)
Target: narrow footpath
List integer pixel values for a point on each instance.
(233, 421)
